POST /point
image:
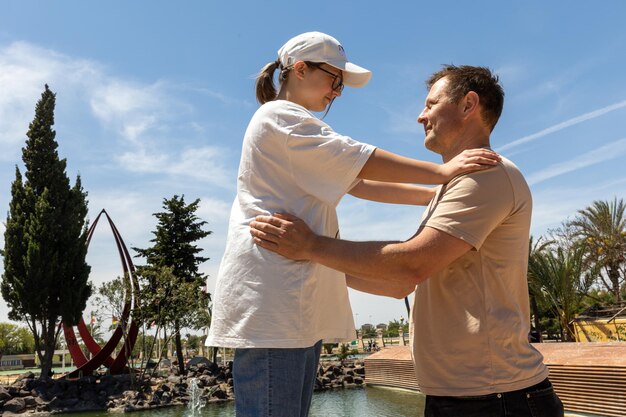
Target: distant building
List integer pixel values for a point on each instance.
(9, 362)
(367, 327)
(382, 326)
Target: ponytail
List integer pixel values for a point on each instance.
(265, 90)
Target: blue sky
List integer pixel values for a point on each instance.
(153, 99)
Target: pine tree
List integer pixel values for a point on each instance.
(45, 275)
(177, 229)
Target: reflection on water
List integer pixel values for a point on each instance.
(367, 402)
(361, 402)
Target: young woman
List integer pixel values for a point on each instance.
(273, 311)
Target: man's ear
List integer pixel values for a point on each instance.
(470, 103)
(299, 69)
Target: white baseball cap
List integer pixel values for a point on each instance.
(319, 47)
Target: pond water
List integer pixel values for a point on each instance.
(357, 402)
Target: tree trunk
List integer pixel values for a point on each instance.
(179, 349)
(537, 319)
(48, 345)
(614, 277)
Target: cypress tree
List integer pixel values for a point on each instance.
(177, 229)
(45, 274)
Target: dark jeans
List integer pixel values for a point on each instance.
(537, 401)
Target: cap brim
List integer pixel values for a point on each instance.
(353, 75)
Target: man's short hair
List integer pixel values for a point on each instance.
(465, 78)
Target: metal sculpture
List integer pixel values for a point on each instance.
(102, 355)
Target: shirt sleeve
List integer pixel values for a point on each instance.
(324, 163)
(471, 206)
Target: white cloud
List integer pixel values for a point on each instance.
(223, 97)
(604, 153)
(142, 116)
(560, 126)
(203, 164)
(214, 210)
(24, 69)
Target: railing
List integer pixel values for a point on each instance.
(612, 319)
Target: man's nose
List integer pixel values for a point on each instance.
(421, 118)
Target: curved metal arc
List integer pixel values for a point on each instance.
(103, 355)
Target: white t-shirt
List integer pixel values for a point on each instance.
(291, 162)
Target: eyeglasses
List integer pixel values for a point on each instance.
(337, 79)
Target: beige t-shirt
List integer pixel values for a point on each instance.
(471, 320)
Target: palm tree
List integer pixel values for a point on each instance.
(559, 276)
(534, 248)
(603, 226)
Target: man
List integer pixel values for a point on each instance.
(467, 264)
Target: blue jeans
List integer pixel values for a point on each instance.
(537, 401)
(275, 382)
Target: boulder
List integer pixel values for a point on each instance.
(174, 379)
(30, 401)
(15, 405)
(4, 394)
(218, 393)
(25, 375)
(208, 381)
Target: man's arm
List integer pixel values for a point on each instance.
(398, 263)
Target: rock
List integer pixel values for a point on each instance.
(54, 403)
(25, 375)
(166, 397)
(69, 402)
(30, 401)
(174, 379)
(358, 380)
(106, 380)
(90, 379)
(4, 394)
(209, 381)
(359, 370)
(348, 379)
(218, 393)
(88, 395)
(15, 405)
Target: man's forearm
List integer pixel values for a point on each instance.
(367, 260)
(402, 263)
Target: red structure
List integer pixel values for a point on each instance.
(126, 326)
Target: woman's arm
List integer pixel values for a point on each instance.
(393, 193)
(388, 167)
(379, 287)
